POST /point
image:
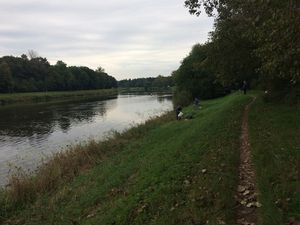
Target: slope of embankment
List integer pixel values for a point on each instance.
(166, 172)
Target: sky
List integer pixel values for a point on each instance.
(128, 38)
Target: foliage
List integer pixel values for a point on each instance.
(195, 77)
(150, 82)
(6, 80)
(231, 55)
(265, 35)
(20, 74)
(182, 98)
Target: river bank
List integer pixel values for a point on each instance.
(166, 172)
(34, 97)
(32, 132)
(151, 172)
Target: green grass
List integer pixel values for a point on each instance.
(168, 171)
(53, 96)
(275, 141)
(176, 172)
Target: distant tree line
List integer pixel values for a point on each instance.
(257, 41)
(150, 82)
(32, 74)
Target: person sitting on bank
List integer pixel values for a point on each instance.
(179, 114)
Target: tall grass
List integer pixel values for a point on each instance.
(274, 137)
(62, 167)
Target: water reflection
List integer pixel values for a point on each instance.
(164, 98)
(30, 132)
(39, 120)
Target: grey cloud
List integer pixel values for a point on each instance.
(128, 38)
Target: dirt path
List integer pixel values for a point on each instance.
(246, 195)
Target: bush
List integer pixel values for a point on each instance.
(182, 98)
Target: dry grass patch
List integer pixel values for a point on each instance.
(62, 167)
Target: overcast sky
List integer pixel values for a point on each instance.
(129, 38)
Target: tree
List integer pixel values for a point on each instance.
(159, 82)
(231, 55)
(21, 74)
(39, 68)
(195, 77)
(195, 6)
(66, 80)
(24, 57)
(273, 29)
(6, 80)
(32, 54)
(100, 69)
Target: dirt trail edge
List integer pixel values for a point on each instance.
(246, 195)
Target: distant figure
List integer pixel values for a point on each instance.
(244, 87)
(179, 114)
(196, 102)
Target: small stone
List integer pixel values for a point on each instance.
(249, 205)
(246, 192)
(141, 209)
(187, 182)
(258, 204)
(221, 222)
(243, 202)
(91, 215)
(241, 188)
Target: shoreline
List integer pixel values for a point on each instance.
(63, 169)
(71, 162)
(168, 171)
(94, 115)
(55, 96)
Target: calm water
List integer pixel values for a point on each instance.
(30, 133)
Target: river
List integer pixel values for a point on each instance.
(30, 133)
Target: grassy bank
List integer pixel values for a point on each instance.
(275, 141)
(53, 96)
(163, 172)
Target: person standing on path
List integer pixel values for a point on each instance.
(244, 87)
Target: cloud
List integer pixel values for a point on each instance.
(133, 38)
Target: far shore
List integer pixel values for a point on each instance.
(34, 97)
(59, 96)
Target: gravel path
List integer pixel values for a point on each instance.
(247, 194)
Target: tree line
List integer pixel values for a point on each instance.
(254, 41)
(149, 82)
(32, 74)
